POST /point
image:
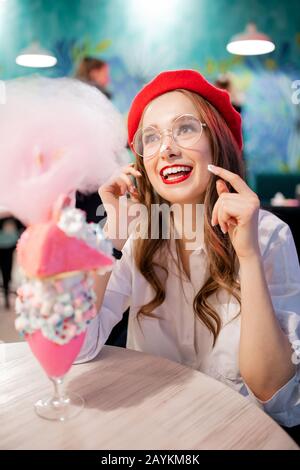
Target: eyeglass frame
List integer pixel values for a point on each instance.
(170, 133)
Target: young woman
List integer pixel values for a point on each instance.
(229, 307)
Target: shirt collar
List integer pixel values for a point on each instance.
(199, 248)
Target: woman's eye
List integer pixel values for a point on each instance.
(150, 138)
(185, 129)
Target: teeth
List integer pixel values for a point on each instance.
(170, 171)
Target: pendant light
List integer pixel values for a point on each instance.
(35, 56)
(250, 42)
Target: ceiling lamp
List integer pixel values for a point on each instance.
(36, 56)
(250, 42)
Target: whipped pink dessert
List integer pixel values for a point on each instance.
(56, 301)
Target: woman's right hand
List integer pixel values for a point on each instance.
(110, 192)
(119, 184)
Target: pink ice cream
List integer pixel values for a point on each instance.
(57, 300)
(45, 250)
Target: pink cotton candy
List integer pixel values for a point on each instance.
(55, 359)
(57, 135)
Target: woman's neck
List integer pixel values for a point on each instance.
(189, 224)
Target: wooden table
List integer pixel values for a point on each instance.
(133, 401)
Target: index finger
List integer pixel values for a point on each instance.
(235, 180)
(129, 169)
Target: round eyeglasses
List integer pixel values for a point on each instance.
(185, 132)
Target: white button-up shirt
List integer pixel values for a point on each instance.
(177, 334)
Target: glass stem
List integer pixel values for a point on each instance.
(59, 395)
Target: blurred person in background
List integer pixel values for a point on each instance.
(10, 230)
(95, 72)
(225, 83)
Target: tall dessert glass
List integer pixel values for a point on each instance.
(56, 301)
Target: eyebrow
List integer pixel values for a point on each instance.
(174, 119)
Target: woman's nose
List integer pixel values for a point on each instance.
(167, 145)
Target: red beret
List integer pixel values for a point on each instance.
(188, 80)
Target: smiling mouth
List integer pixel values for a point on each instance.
(175, 174)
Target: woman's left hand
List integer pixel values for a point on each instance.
(237, 213)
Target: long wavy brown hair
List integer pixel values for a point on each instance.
(222, 260)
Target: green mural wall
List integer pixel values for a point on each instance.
(139, 38)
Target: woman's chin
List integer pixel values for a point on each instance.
(180, 196)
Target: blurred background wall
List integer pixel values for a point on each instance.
(139, 38)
